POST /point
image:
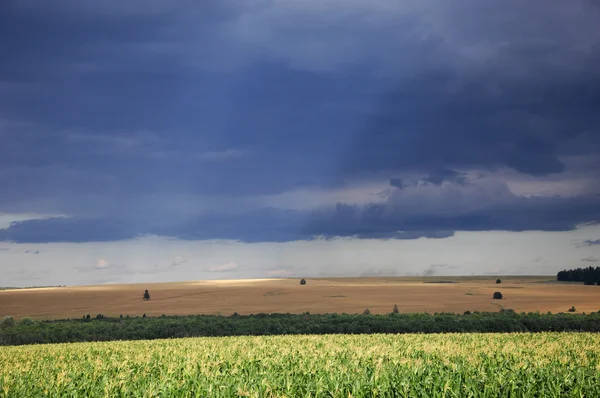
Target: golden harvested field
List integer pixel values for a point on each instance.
(349, 295)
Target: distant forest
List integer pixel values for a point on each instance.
(589, 275)
(101, 328)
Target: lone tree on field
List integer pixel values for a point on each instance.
(498, 281)
(367, 312)
(395, 310)
(497, 296)
(572, 309)
(146, 295)
(303, 281)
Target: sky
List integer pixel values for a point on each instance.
(158, 141)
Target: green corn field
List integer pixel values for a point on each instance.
(443, 365)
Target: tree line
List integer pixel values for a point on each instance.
(138, 328)
(589, 275)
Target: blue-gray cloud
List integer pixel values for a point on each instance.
(387, 220)
(257, 98)
(591, 242)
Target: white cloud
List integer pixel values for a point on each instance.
(466, 253)
(177, 261)
(281, 273)
(102, 264)
(113, 141)
(6, 219)
(227, 267)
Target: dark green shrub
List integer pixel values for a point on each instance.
(26, 321)
(7, 322)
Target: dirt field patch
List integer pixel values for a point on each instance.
(349, 295)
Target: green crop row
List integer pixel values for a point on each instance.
(433, 365)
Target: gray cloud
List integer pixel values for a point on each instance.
(436, 269)
(590, 259)
(591, 242)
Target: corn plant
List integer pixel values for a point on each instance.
(448, 365)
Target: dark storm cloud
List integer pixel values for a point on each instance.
(516, 214)
(118, 101)
(437, 177)
(397, 183)
(388, 220)
(526, 128)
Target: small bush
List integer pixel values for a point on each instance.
(27, 321)
(143, 316)
(572, 309)
(498, 281)
(7, 322)
(396, 310)
(146, 295)
(303, 281)
(99, 316)
(497, 296)
(367, 312)
(467, 312)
